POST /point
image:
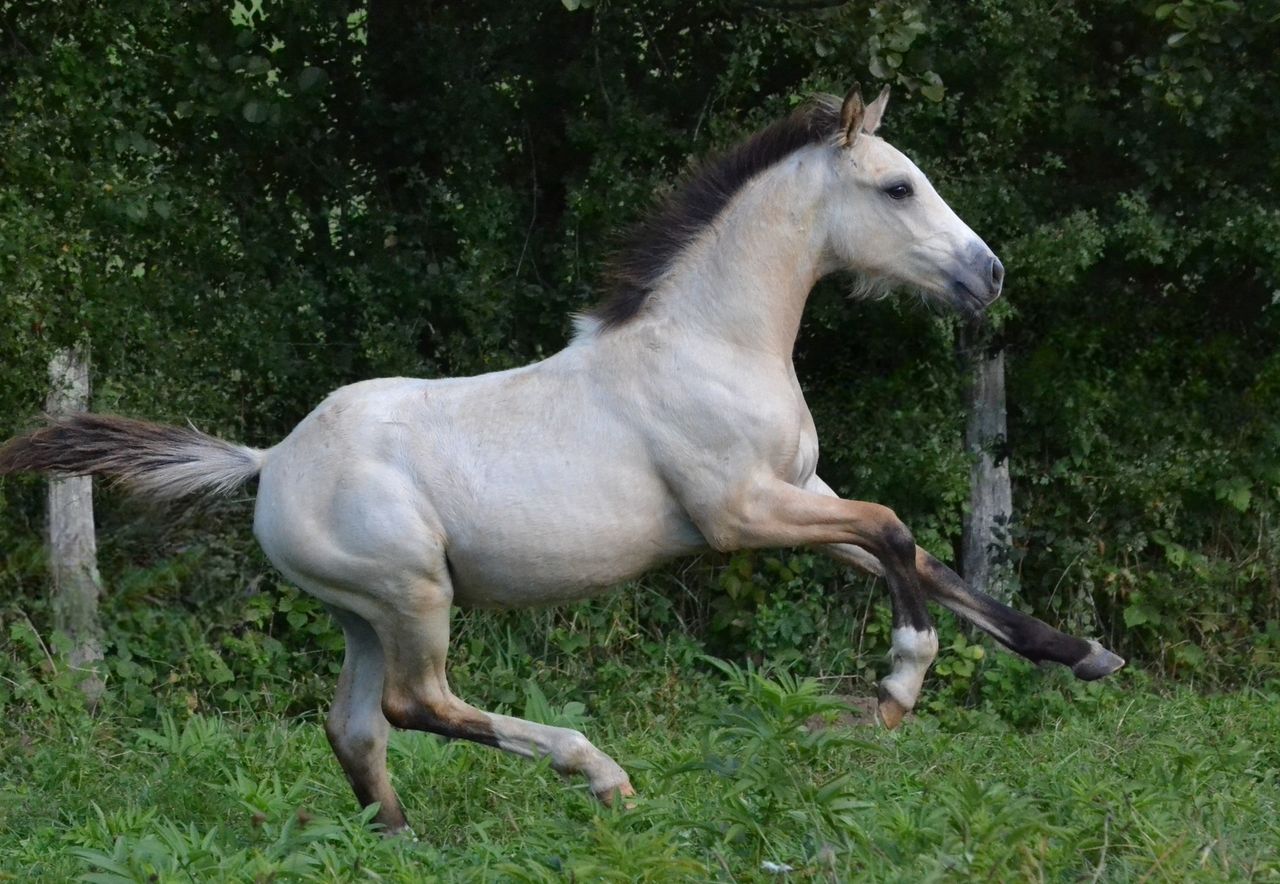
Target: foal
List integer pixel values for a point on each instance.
(671, 423)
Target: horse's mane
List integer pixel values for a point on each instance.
(650, 248)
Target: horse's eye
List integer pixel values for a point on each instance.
(899, 191)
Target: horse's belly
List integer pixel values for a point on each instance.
(541, 556)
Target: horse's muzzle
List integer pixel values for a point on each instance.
(977, 282)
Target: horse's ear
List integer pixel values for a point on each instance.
(875, 112)
(851, 115)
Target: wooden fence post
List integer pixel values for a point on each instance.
(73, 549)
(986, 545)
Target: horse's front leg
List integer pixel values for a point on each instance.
(775, 513)
(1021, 633)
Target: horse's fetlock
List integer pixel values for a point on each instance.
(573, 753)
(916, 647)
(926, 646)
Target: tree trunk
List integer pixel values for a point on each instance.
(985, 558)
(73, 551)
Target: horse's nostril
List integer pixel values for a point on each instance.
(997, 274)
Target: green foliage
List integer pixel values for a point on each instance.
(190, 631)
(750, 769)
(767, 745)
(794, 609)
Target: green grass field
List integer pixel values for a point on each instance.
(742, 777)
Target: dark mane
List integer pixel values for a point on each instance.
(653, 244)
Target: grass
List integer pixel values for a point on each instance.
(742, 776)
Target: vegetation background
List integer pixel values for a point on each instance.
(242, 206)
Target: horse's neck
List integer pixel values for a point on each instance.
(747, 277)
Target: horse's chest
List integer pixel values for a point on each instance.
(746, 424)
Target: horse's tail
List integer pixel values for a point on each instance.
(155, 460)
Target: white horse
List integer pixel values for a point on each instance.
(672, 422)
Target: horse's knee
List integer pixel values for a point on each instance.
(409, 712)
(893, 540)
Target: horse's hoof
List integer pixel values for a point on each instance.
(608, 796)
(1098, 664)
(890, 711)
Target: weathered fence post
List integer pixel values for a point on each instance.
(985, 556)
(73, 549)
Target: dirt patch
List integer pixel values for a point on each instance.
(862, 713)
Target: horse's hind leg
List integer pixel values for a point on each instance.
(356, 727)
(414, 628)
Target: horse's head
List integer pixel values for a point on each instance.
(887, 222)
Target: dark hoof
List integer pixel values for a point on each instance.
(401, 831)
(1098, 664)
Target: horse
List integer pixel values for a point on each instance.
(672, 422)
